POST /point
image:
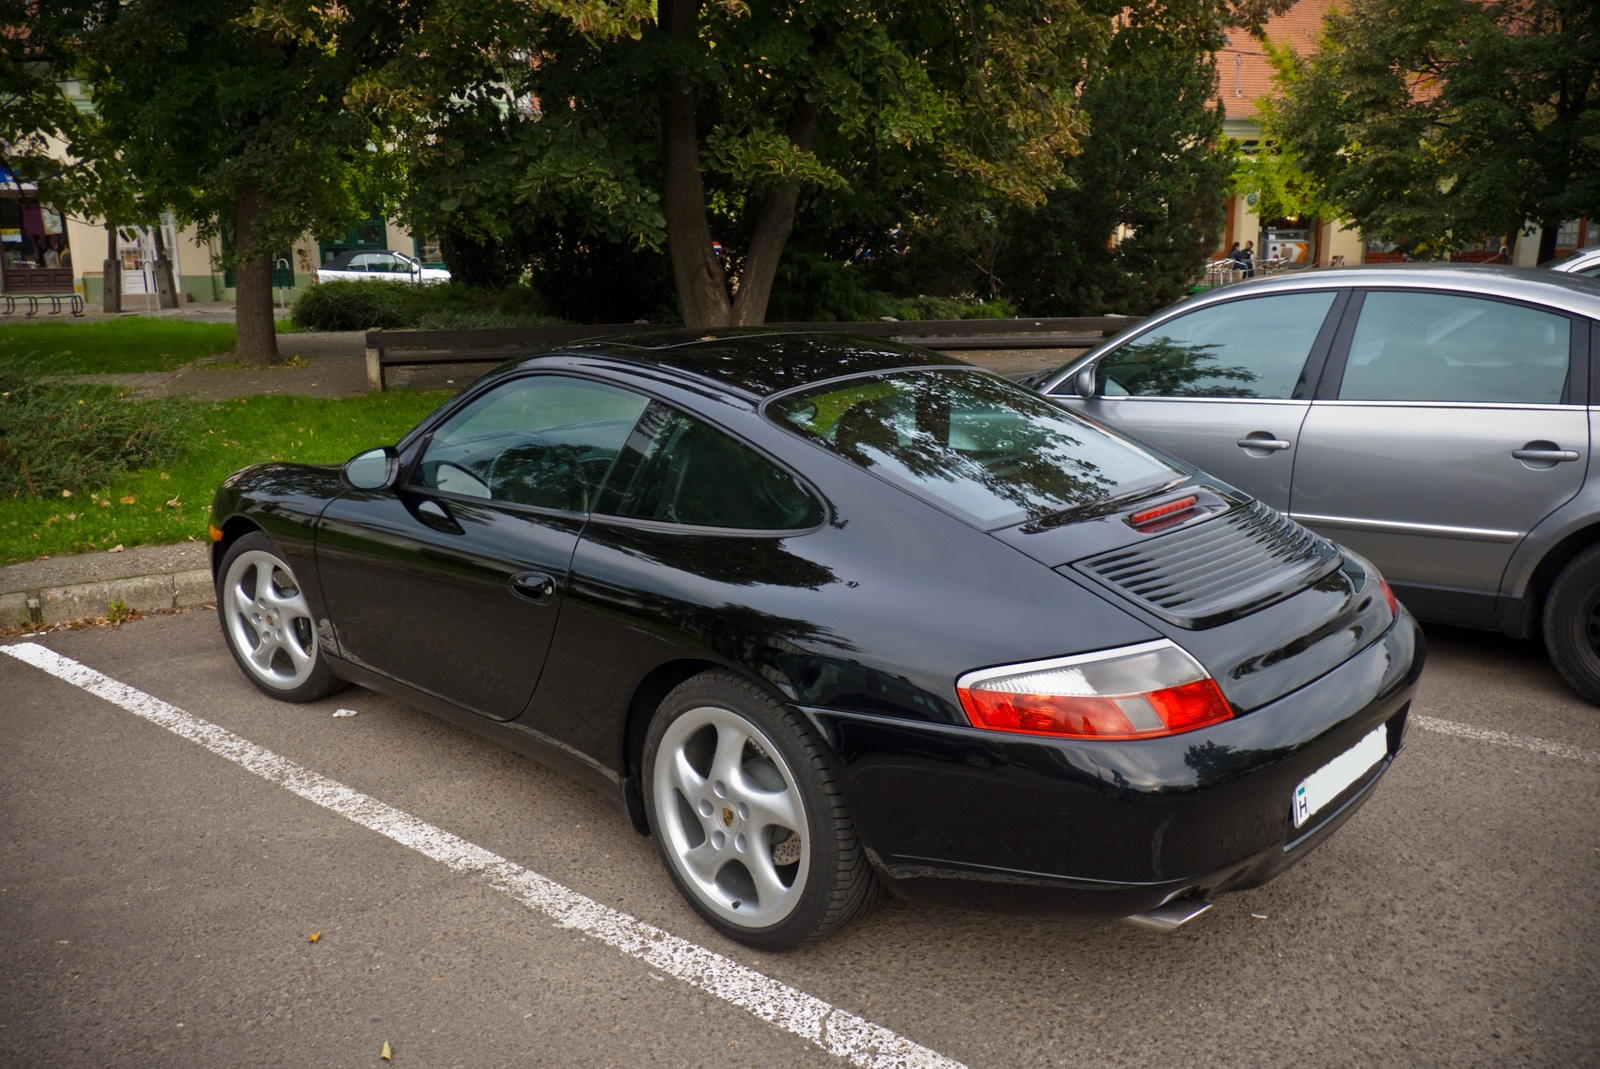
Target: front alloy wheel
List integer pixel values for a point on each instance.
(267, 622)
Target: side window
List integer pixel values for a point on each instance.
(1443, 347)
(543, 440)
(1250, 348)
(677, 469)
(359, 263)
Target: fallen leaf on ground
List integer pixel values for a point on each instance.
(174, 504)
(130, 499)
(386, 1054)
(116, 548)
(344, 712)
(313, 937)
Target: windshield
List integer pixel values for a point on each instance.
(985, 447)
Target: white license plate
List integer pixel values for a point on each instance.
(1329, 781)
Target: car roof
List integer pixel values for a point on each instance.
(1570, 293)
(755, 362)
(344, 258)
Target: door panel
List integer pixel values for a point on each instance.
(1206, 434)
(435, 592)
(1432, 493)
(1443, 438)
(451, 583)
(1236, 371)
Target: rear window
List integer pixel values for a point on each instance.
(982, 446)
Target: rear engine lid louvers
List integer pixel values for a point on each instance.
(1204, 574)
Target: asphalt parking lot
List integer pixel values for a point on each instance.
(158, 898)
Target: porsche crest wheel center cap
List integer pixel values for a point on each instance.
(727, 817)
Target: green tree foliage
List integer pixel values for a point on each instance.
(1434, 121)
(49, 136)
(240, 117)
(1155, 161)
(698, 130)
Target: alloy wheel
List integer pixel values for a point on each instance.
(733, 821)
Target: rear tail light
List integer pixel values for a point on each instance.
(1388, 595)
(1135, 692)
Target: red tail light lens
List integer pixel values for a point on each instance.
(1135, 692)
(1388, 595)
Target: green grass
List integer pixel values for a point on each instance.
(115, 346)
(171, 503)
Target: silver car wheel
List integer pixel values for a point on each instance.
(732, 819)
(268, 620)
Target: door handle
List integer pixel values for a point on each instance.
(1550, 455)
(1265, 441)
(535, 586)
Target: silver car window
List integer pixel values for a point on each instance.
(1412, 346)
(1248, 348)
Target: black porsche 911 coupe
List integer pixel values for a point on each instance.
(831, 617)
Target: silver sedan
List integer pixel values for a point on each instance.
(1437, 419)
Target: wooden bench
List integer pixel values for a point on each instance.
(416, 348)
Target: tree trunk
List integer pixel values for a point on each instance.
(257, 344)
(776, 218)
(1548, 232)
(702, 284)
(111, 297)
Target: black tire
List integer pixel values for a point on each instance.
(1572, 623)
(725, 728)
(268, 627)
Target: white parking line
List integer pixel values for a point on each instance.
(1501, 738)
(836, 1031)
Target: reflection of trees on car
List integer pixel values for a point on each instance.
(1166, 367)
(966, 439)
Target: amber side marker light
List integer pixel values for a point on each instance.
(214, 532)
(1135, 692)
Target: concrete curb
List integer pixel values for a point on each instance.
(145, 578)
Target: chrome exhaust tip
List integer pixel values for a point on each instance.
(1170, 915)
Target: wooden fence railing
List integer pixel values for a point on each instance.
(411, 348)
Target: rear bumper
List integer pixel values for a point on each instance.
(982, 820)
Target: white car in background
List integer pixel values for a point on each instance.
(384, 265)
(1586, 262)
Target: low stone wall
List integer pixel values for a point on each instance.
(145, 578)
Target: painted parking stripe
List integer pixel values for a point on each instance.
(836, 1031)
(1502, 738)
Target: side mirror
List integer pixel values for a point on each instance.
(1083, 382)
(376, 469)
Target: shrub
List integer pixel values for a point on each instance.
(351, 306)
(55, 438)
(368, 305)
(811, 289)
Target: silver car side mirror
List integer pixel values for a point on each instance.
(1083, 382)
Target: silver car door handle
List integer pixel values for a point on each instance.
(1550, 455)
(1276, 444)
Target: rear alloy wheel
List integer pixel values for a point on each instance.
(748, 817)
(1572, 623)
(267, 622)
